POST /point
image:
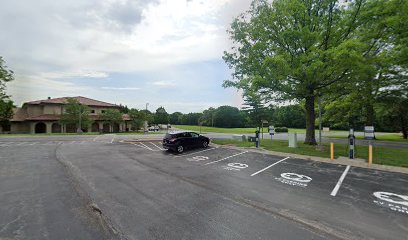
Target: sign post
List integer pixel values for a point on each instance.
(369, 133)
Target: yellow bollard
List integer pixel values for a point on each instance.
(331, 151)
(370, 154)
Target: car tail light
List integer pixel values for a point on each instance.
(172, 140)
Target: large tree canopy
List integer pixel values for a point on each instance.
(295, 50)
(6, 75)
(6, 105)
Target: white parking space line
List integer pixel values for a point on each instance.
(226, 158)
(253, 174)
(157, 146)
(96, 137)
(195, 152)
(113, 138)
(337, 187)
(146, 146)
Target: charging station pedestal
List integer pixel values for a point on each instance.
(257, 137)
(352, 144)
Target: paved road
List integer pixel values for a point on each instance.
(138, 191)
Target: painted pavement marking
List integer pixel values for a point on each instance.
(235, 166)
(273, 164)
(195, 152)
(226, 158)
(337, 187)
(157, 146)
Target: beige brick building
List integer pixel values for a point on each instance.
(43, 116)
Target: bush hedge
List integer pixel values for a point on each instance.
(281, 129)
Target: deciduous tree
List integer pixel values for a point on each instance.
(76, 113)
(295, 50)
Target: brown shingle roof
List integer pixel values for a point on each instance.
(20, 114)
(82, 100)
(45, 117)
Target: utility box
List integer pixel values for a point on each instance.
(293, 140)
(251, 139)
(239, 137)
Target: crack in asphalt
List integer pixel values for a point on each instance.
(74, 174)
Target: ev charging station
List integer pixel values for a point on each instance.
(257, 137)
(271, 130)
(352, 144)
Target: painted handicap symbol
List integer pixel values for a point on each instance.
(296, 177)
(392, 198)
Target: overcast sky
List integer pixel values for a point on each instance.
(164, 52)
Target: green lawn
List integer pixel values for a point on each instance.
(394, 137)
(381, 155)
(205, 129)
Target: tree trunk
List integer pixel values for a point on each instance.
(403, 128)
(370, 117)
(310, 121)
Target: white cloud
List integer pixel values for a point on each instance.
(49, 41)
(165, 83)
(121, 88)
(78, 74)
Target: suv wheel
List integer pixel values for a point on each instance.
(205, 144)
(180, 148)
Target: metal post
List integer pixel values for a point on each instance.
(370, 153)
(145, 121)
(331, 151)
(320, 123)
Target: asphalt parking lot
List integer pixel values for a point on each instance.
(102, 188)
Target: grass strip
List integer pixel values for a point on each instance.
(381, 155)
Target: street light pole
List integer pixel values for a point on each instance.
(320, 121)
(145, 123)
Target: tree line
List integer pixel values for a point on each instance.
(224, 116)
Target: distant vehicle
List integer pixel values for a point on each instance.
(153, 129)
(183, 140)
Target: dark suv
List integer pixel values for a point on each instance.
(182, 140)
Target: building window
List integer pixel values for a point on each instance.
(103, 111)
(93, 111)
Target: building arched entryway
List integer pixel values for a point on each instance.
(70, 128)
(56, 128)
(116, 127)
(106, 127)
(40, 128)
(95, 127)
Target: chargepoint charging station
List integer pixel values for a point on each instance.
(352, 144)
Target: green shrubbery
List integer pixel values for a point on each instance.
(281, 129)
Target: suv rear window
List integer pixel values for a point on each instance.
(170, 136)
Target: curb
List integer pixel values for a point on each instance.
(361, 163)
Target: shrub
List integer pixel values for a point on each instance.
(281, 129)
